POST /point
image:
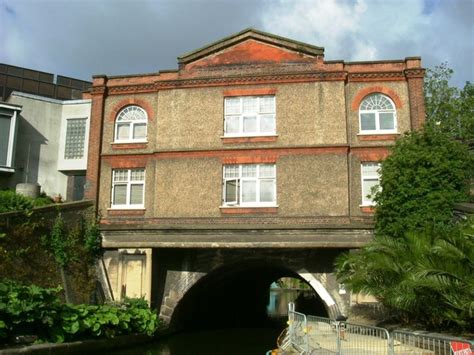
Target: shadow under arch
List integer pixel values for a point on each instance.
(236, 295)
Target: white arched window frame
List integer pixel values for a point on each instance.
(131, 125)
(377, 115)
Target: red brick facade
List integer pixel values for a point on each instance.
(250, 64)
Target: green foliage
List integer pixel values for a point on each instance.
(449, 109)
(424, 278)
(27, 310)
(31, 310)
(424, 176)
(11, 201)
(60, 243)
(93, 240)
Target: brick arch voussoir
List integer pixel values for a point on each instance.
(144, 104)
(372, 90)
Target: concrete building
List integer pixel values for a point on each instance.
(47, 144)
(252, 161)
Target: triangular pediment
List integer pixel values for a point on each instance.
(250, 47)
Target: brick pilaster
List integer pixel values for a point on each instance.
(98, 93)
(415, 75)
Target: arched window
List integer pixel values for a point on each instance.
(377, 114)
(130, 125)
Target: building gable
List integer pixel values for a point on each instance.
(251, 47)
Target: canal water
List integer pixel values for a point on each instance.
(230, 341)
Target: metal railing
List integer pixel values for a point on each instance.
(318, 335)
(362, 339)
(404, 341)
(297, 330)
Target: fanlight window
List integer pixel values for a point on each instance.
(377, 115)
(130, 125)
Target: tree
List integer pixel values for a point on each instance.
(424, 278)
(426, 173)
(420, 264)
(449, 109)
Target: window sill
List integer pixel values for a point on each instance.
(248, 210)
(367, 208)
(7, 170)
(129, 145)
(378, 136)
(126, 211)
(248, 139)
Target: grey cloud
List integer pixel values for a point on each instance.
(82, 38)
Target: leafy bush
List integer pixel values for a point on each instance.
(421, 180)
(424, 278)
(32, 310)
(11, 201)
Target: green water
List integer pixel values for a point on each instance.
(248, 341)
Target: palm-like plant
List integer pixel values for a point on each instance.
(425, 278)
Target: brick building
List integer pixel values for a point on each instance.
(255, 144)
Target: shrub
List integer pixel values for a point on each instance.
(421, 180)
(32, 310)
(11, 201)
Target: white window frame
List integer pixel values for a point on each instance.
(8, 167)
(240, 116)
(368, 176)
(121, 119)
(377, 113)
(257, 179)
(128, 184)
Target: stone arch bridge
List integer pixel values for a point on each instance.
(198, 278)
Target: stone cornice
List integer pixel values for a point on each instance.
(261, 79)
(224, 81)
(346, 237)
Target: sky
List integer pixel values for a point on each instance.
(81, 38)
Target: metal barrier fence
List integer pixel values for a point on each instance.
(319, 335)
(360, 339)
(322, 334)
(297, 330)
(404, 341)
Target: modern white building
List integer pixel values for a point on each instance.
(47, 144)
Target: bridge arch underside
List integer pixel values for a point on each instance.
(235, 293)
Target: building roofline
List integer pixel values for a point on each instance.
(382, 61)
(11, 106)
(250, 33)
(48, 99)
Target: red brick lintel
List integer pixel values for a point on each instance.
(367, 209)
(250, 92)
